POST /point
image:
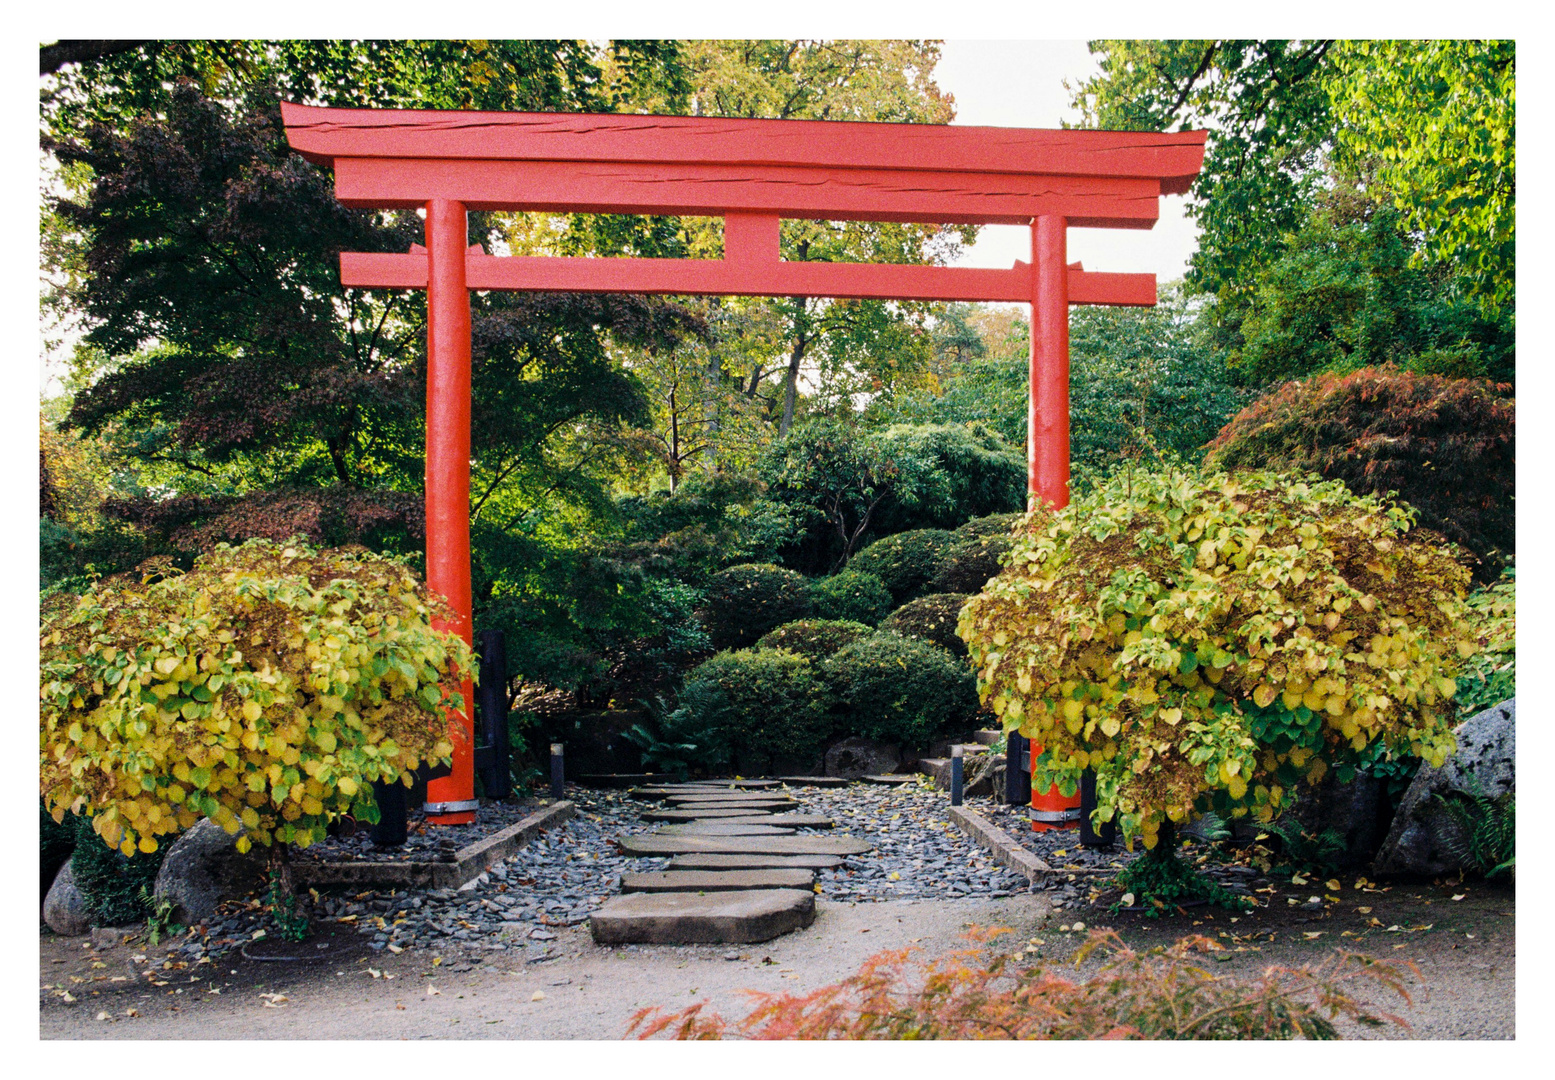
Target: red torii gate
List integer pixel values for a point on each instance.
(752, 173)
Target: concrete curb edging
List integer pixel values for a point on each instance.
(469, 862)
(1006, 850)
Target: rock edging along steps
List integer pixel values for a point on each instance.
(739, 874)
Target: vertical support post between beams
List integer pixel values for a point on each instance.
(451, 798)
(1047, 420)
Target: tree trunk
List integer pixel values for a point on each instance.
(791, 384)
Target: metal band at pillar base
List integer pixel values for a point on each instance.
(1056, 817)
(460, 807)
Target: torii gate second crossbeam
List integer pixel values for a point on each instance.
(753, 174)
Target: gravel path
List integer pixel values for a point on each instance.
(562, 876)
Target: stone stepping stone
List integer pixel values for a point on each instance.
(816, 781)
(739, 917)
(754, 862)
(728, 800)
(717, 880)
(703, 815)
(787, 821)
(766, 804)
(742, 845)
(891, 778)
(723, 828)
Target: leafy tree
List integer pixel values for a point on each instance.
(1439, 119)
(265, 689)
(1432, 121)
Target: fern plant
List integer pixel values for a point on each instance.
(1317, 853)
(667, 742)
(1485, 840)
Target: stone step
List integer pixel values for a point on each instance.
(729, 796)
(716, 880)
(792, 821)
(703, 815)
(815, 781)
(742, 845)
(740, 917)
(987, 738)
(889, 778)
(687, 803)
(754, 862)
(723, 828)
(937, 769)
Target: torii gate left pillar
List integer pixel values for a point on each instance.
(752, 174)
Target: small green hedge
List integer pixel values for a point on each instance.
(744, 602)
(816, 639)
(899, 690)
(853, 595)
(907, 561)
(931, 618)
(980, 546)
(758, 710)
(110, 883)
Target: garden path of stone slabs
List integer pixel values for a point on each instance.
(740, 871)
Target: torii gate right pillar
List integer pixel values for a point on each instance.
(1047, 417)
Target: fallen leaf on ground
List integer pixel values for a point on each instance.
(433, 991)
(1333, 884)
(275, 1001)
(1312, 934)
(104, 1016)
(1459, 896)
(538, 995)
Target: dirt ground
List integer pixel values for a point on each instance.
(1465, 950)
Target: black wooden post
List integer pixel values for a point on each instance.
(492, 700)
(391, 828)
(955, 775)
(1089, 837)
(1017, 780)
(558, 771)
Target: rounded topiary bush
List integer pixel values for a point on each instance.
(931, 618)
(815, 638)
(977, 554)
(853, 595)
(906, 561)
(1446, 446)
(899, 690)
(758, 710)
(1204, 641)
(744, 602)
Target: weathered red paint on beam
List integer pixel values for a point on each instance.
(1047, 419)
(772, 190)
(325, 135)
(744, 277)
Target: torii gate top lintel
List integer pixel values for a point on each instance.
(753, 174)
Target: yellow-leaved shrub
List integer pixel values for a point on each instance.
(264, 689)
(1205, 640)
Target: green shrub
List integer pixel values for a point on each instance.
(757, 710)
(56, 841)
(815, 638)
(744, 602)
(853, 595)
(906, 561)
(899, 690)
(1203, 641)
(113, 885)
(1445, 446)
(972, 471)
(1489, 676)
(931, 618)
(976, 555)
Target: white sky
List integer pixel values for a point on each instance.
(1021, 84)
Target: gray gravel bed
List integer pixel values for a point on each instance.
(423, 843)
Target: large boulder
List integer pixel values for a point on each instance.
(857, 756)
(203, 868)
(64, 908)
(1423, 833)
